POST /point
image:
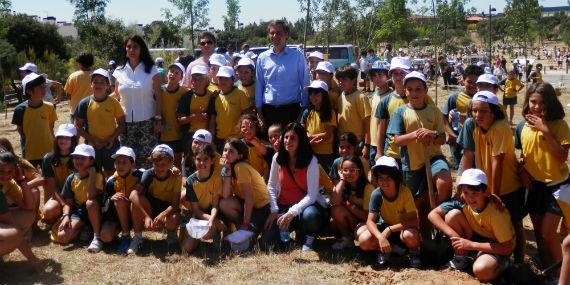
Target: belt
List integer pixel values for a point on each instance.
(281, 106)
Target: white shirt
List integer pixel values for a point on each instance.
(136, 92)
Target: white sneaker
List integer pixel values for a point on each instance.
(458, 262)
(342, 243)
(95, 246)
(308, 244)
(135, 245)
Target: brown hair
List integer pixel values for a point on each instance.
(553, 109)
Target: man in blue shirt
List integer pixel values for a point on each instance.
(281, 74)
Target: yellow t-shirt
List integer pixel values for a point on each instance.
(100, 117)
(540, 162)
(125, 185)
(511, 87)
(75, 187)
(30, 172)
(314, 126)
(393, 212)
(256, 159)
(364, 201)
(37, 124)
(77, 87)
(353, 109)
(204, 192)
(462, 103)
(333, 96)
(373, 119)
(164, 189)
(212, 87)
(248, 91)
(244, 173)
(59, 172)
(496, 141)
(228, 109)
(12, 191)
(491, 223)
(170, 128)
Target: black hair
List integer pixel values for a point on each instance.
(206, 149)
(253, 119)
(6, 145)
(497, 112)
(208, 35)
(85, 59)
(241, 148)
(473, 70)
(349, 137)
(326, 107)
(56, 153)
(8, 158)
(362, 179)
(392, 172)
(553, 109)
(346, 71)
(35, 83)
(145, 57)
(363, 53)
(304, 151)
(372, 72)
(370, 50)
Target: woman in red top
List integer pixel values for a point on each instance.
(294, 190)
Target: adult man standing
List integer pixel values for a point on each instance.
(281, 74)
(207, 46)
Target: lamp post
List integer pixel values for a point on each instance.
(491, 9)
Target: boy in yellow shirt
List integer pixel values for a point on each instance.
(246, 74)
(512, 87)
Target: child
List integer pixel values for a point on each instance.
(204, 193)
(31, 174)
(274, 134)
(458, 102)
(245, 200)
(512, 87)
(78, 84)
(536, 75)
(12, 223)
(325, 72)
(216, 61)
(246, 73)
(476, 227)
(200, 137)
(57, 166)
(495, 155)
(35, 120)
(392, 220)
(117, 207)
(347, 146)
(350, 200)
(156, 198)
(418, 130)
(171, 134)
(100, 119)
(544, 139)
(353, 108)
(379, 76)
(81, 193)
(258, 149)
(226, 109)
(320, 121)
(363, 64)
(192, 108)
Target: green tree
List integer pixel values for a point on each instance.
(232, 15)
(161, 34)
(5, 5)
(396, 25)
(521, 17)
(193, 15)
(87, 10)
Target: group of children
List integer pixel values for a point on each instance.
(213, 163)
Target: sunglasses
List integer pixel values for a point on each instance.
(206, 43)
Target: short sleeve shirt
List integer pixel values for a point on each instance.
(161, 189)
(244, 173)
(12, 192)
(59, 172)
(228, 109)
(312, 121)
(136, 91)
(36, 123)
(353, 109)
(204, 191)
(192, 103)
(393, 211)
(170, 129)
(78, 86)
(511, 87)
(100, 117)
(75, 188)
(125, 185)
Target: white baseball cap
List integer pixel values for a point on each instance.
(379, 65)
(66, 130)
(386, 161)
(28, 78)
(225, 71)
(199, 69)
(415, 75)
(203, 136)
(487, 70)
(100, 71)
(317, 54)
(111, 62)
(487, 97)
(29, 67)
(318, 84)
(251, 54)
(218, 59)
(159, 60)
(126, 151)
(473, 177)
(163, 148)
(325, 66)
(402, 63)
(179, 65)
(246, 61)
(488, 78)
(84, 150)
(480, 63)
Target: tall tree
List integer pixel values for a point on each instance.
(87, 10)
(193, 15)
(5, 5)
(396, 24)
(232, 15)
(161, 34)
(521, 17)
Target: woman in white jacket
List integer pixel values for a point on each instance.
(294, 190)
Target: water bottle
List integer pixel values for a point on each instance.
(455, 121)
(285, 236)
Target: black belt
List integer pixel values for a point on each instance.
(281, 106)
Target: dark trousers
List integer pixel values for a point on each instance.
(283, 114)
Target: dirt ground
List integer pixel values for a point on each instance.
(73, 264)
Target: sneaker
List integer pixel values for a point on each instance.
(342, 243)
(308, 244)
(415, 261)
(458, 262)
(124, 243)
(135, 245)
(95, 246)
(382, 258)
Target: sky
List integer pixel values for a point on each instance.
(251, 10)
